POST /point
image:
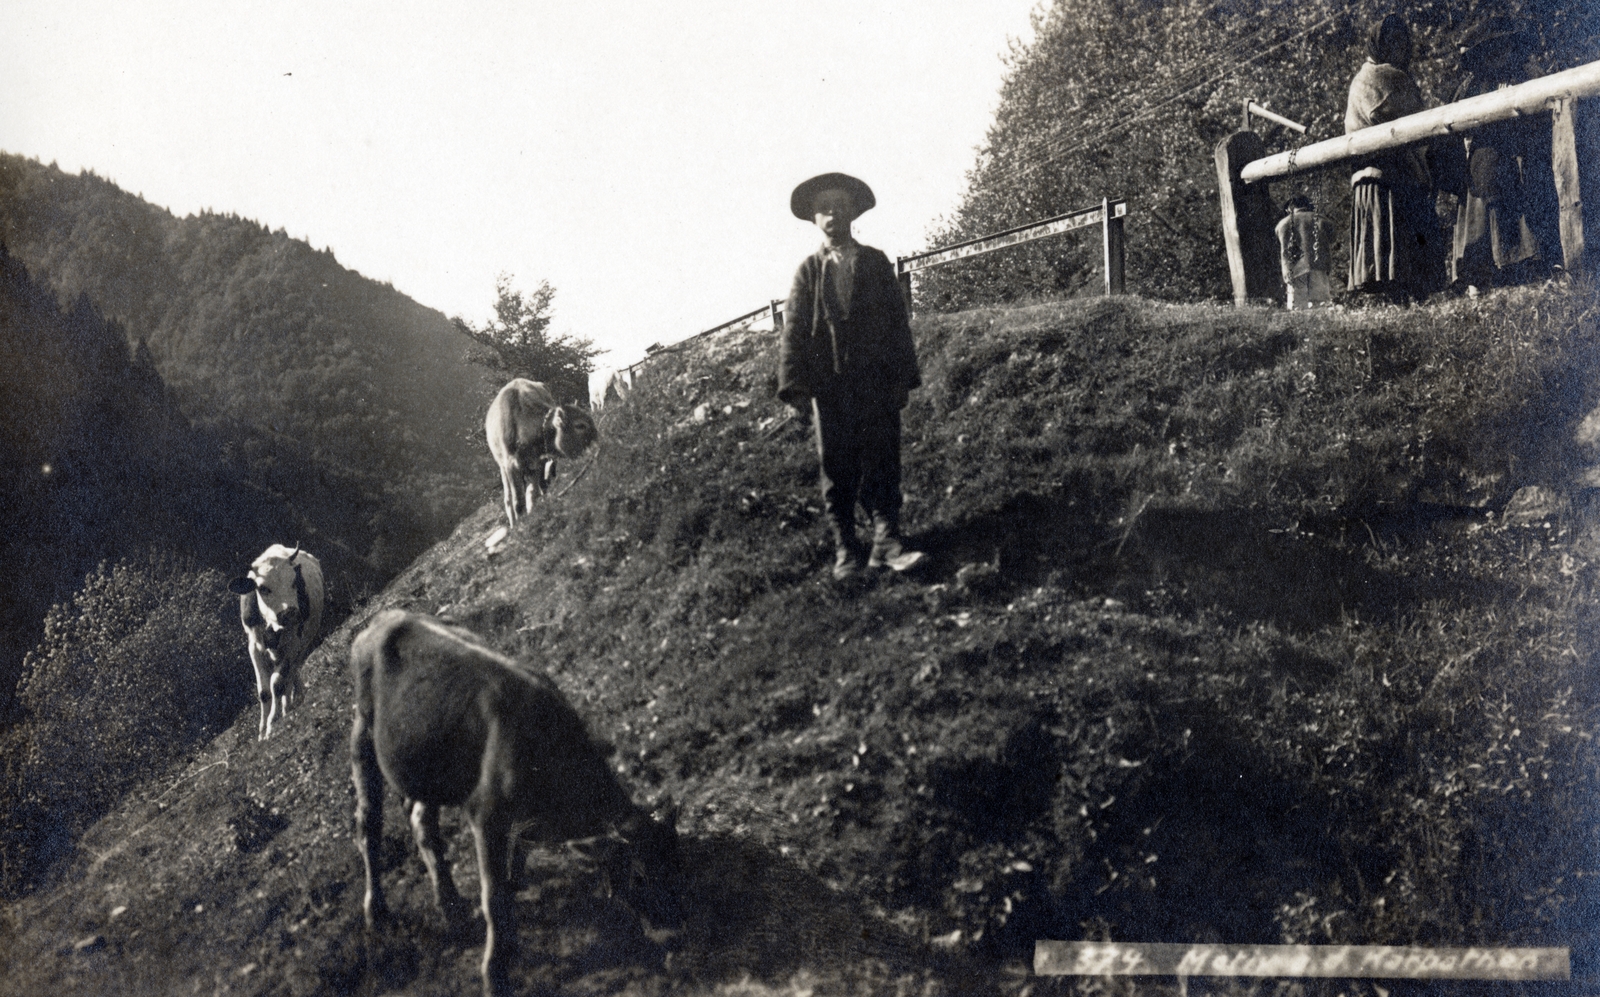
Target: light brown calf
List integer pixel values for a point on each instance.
(527, 429)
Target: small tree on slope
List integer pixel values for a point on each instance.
(519, 335)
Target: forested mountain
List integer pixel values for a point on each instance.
(97, 462)
(1130, 97)
(348, 400)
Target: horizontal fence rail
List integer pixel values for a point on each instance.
(724, 327)
(1532, 97)
(616, 382)
(1302, 961)
(1267, 114)
(1011, 237)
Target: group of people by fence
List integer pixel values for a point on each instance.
(1404, 244)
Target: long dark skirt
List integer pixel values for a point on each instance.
(1396, 246)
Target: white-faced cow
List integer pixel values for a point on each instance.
(280, 605)
(527, 430)
(449, 722)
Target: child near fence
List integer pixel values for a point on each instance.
(846, 353)
(1305, 242)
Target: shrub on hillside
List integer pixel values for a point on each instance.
(519, 335)
(129, 673)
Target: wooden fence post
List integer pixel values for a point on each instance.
(1574, 147)
(904, 277)
(1247, 219)
(1111, 233)
(776, 307)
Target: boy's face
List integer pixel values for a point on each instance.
(833, 210)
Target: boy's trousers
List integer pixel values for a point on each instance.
(859, 446)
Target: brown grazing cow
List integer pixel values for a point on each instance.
(448, 722)
(527, 430)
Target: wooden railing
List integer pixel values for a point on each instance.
(1533, 97)
(1109, 214)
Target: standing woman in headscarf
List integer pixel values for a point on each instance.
(1396, 246)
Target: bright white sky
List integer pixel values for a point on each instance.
(639, 156)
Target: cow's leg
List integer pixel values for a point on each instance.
(292, 689)
(263, 686)
(519, 489)
(533, 478)
(530, 462)
(431, 846)
(491, 832)
(368, 778)
(510, 489)
(285, 685)
(277, 696)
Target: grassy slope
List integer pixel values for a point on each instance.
(1221, 644)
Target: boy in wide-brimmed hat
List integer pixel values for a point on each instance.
(846, 351)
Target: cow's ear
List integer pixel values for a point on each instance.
(242, 586)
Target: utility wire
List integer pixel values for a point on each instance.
(1012, 179)
(1060, 148)
(1062, 133)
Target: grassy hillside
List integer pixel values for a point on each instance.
(1240, 628)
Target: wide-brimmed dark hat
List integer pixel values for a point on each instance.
(800, 200)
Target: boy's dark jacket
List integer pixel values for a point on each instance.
(868, 357)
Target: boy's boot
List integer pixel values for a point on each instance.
(847, 562)
(888, 547)
(849, 554)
